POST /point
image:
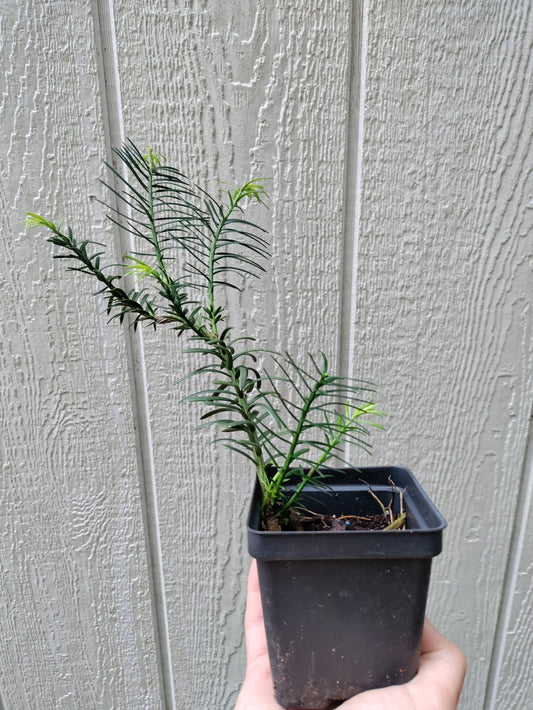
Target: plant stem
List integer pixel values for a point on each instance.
(275, 485)
(210, 336)
(155, 240)
(235, 198)
(211, 311)
(226, 359)
(343, 427)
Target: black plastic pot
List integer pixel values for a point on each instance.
(344, 610)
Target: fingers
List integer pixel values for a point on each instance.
(433, 640)
(442, 667)
(253, 621)
(257, 692)
(436, 648)
(437, 685)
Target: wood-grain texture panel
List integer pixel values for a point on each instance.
(511, 682)
(444, 282)
(75, 607)
(443, 323)
(229, 90)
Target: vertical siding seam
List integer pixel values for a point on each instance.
(524, 506)
(105, 37)
(353, 187)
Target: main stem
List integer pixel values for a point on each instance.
(325, 456)
(278, 480)
(225, 355)
(211, 310)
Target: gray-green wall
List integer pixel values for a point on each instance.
(398, 137)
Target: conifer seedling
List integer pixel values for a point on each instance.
(291, 420)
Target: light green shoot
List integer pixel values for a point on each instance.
(35, 220)
(137, 267)
(344, 424)
(155, 160)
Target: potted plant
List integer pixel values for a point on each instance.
(344, 554)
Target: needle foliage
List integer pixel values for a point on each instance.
(290, 419)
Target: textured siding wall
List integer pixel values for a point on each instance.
(444, 294)
(75, 602)
(398, 137)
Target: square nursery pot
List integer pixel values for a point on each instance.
(344, 610)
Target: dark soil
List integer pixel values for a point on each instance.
(303, 519)
(344, 522)
(308, 521)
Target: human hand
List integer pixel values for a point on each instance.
(436, 686)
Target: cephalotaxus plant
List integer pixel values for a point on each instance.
(291, 421)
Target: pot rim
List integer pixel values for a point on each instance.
(422, 538)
